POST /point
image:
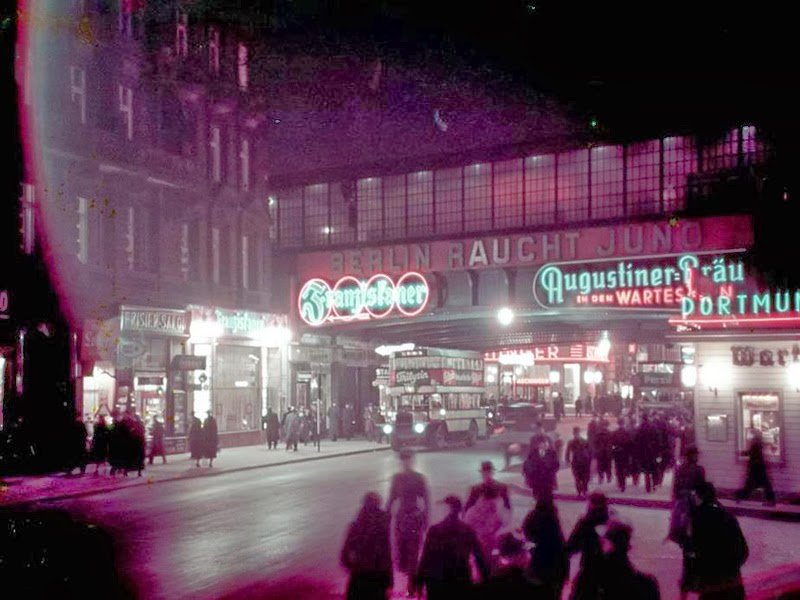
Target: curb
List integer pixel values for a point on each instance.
(742, 511)
(144, 481)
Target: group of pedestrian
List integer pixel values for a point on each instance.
(203, 439)
(341, 421)
(118, 441)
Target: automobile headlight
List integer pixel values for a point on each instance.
(442, 412)
(419, 427)
(490, 414)
(387, 429)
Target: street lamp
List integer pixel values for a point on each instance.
(506, 316)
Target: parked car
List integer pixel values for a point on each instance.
(516, 424)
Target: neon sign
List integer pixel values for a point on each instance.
(351, 299)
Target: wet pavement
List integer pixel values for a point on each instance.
(276, 532)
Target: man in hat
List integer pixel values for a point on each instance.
(410, 491)
(619, 578)
(444, 568)
(488, 509)
(586, 541)
(510, 581)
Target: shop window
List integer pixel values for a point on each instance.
(317, 229)
(761, 412)
(478, 197)
(540, 190)
(368, 194)
(236, 388)
(643, 178)
(449, 200)
(508, 200)
(573, 186)
(394, 198)
(607, 182)
(420, 203)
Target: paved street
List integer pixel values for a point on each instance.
(255, 532)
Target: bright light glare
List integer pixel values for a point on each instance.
(505, 316)
(794, 374)
(206, 329)
(419, 427)
(689, 376)
(387, 429)
(388, 350)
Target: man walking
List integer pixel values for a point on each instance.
(488, 509)
(621, 443)
(410, 491)
(757, 474)
(579, 457)
(273, 429)
(444, 568)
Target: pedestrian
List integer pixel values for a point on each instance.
(210, 438)
(647, 452)
(116, 445)
(579, 457)
(549, 563)
(157, 442)
(98, 453)
(621, 444)
(578, 407)
(369, 424)
(137, 443)
(76, 457)
(688, 478)
(304, 429)
(757, 473)
(347, 422)
(196, 439)
(291, 429)
(602, 451)
(540, 469)
(333, 421)
(410, 491)
(444, 569)
(510, 581)
(558, 406)
(273, 429)
(585, 540)
(380, 422)
(719, 548)
(367, 554)
(488, 509)
(619, 578)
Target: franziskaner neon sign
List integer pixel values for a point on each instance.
(351, 299)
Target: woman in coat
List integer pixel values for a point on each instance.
(367, 554)
(196, 440)
(210, 439)
(98, 453)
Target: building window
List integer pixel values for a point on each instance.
(607, 182)
(242, 69)
(341, 230)
(215, 154)
(394, 206)
(77, 90)
(245, 262)
(317, 228)
(250, 261)
(126, 109)
(141, 237)
(184, 252)
(28, 218)
(83, 230)
(215, 255)
(368, 194)
(244, 158)
(573, 186)
(508, 193)
(290, 213)
(478, 197)
(642, 171)
(680, 160)
(420, 203)
(213, 50)
(753, 150)
(182, 35)
(723, 154)
(761, 412)
(449, 200)
(540, 190)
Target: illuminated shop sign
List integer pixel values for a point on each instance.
(351, 299)
(163, 321)
(655, 282)
(749, 356)
(4, 302)
(547, 354)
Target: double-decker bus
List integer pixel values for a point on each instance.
(437, 396)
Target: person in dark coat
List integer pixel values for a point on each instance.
(444, 568)
(719, 547)
(116, 445)
(157, 442)
(579, 457)
(510, 582)
(646, 450)
(585, 540)
(273, 429)
(757, 473)
(210, 439)
(347, 422)
(688, 478)
(136, 443)
(291, 429)
(549, 563)
(540, 469)
(621, 447)
(98, 453)
(689, 475)
(196, 439)
(334, 418)
(602, 452)
(367, 554)
(619, 578)
(76, 457)
(578, 407)
(410, 491)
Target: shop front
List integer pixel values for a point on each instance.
(245, 355)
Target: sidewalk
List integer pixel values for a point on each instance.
(19, 491)
(636, 496)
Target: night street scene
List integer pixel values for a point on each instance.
(379, 299)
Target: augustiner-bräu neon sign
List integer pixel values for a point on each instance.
(351, 299)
